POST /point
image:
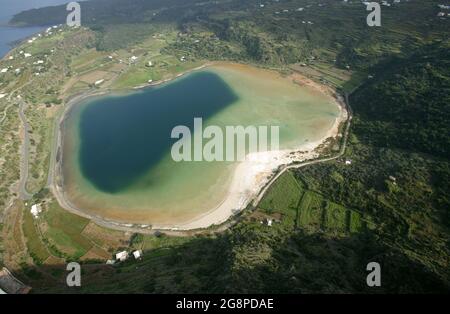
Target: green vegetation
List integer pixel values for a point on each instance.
(63, 232)
(36, 249)
(283, 195)
(400, 170)
(415, 117)
(391, 205)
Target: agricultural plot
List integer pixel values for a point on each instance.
(283, 196)
(108, 239)
(311, 210)
(151, 242)
(63, 232)
(36, 248)
(336, 217)
(317, 213)
(356, 223)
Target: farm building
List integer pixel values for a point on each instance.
(122, 256)
(137, 254)
(36, 209)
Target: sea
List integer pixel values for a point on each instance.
(11, 35)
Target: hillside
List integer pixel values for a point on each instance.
(390, 205)
(330, 219)
(279, 33)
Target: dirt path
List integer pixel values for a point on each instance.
(24, 155)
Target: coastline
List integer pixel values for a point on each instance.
(250, 179)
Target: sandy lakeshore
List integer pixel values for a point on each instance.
(250, 179)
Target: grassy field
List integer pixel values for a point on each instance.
(283, 196)
(63, 231)
(311, 210)
(36, 248)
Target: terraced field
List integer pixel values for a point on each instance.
(312, 210)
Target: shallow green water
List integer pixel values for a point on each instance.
(117, 160)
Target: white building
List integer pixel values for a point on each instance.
(4, 70)
(122, 256)
(137, 254)
(27, 55)
(99, 82)
(36, 210)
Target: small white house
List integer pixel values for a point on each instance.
(110, 262)
(4, 70)
(99, 82)
(2, 95)
(27, 55)
(36, 209)
(133, 59)
(40, 62)
(137, 254)
(122, 256)
(348, 162)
